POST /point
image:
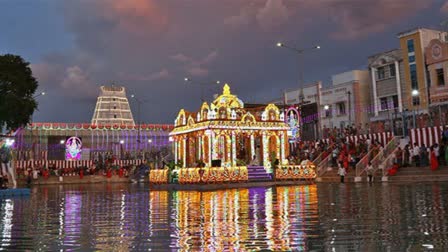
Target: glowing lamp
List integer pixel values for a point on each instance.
(9, 142)
(62, 141)
(121, 141)
(414, 92)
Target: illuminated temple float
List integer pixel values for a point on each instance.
(217, 143)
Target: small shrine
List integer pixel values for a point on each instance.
(226, 134)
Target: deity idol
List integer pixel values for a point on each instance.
(73, 148)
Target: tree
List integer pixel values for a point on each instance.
(17, 87)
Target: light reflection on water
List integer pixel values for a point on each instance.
(327, 217)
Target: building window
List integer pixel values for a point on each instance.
(415, 100)
(410, 45)
(395, 101)
(113, 99)
(381, 73)
(341, 108)
(414, 83)
(389, 102)
(440, 77)
(392, 70)
(115, 107)
(411, 59)
(383, 103)
(327, 111)
(115, 116)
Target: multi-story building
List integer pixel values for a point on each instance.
(387, 88)
(112, 107)
(436, 55)
(416, 77)
(347, 101)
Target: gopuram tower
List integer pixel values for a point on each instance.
(112, 107)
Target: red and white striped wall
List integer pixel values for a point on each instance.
(383, 138)
(427, 136)
(62, 164)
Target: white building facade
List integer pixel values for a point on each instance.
(347, 101)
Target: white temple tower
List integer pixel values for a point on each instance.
(112, 107)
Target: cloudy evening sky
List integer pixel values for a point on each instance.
(149, 46)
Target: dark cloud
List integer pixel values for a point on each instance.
(149, 46)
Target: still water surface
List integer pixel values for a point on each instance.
(326, 217)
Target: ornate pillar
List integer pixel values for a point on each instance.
(397, 79)
(252, 146)
(265, 147)
(200, 148)
(375, 98)
(282, 148)
(233, 149)
(210, 149)
(175, 151)
(184, 158)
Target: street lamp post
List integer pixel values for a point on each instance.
(414, 95)
(31, 121)
(39, 94)
(328, 114)
(299, 52)
(202, 85)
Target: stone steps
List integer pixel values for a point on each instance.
(416, 174)
(404, 174)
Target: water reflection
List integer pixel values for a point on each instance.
(328, 217)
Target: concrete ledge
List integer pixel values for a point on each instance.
(358, 179)
(329, 168)
(384, 178)
(318, 179)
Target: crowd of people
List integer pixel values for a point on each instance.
(422, 156)
(350, 130)
(345, 154)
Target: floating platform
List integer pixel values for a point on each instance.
(220, 186)
(15, 192)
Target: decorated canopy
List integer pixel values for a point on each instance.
(227, 133)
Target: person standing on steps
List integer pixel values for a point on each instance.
(434, 161)
(370, 172)
(342, 172)
(407, 155)
(399, 157)
(416, 155)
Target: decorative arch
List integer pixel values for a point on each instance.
(180, 117)
(205, 108)
(272, 112)
(222, 113)
(248, 117)
(222, 147)
(190, 121)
